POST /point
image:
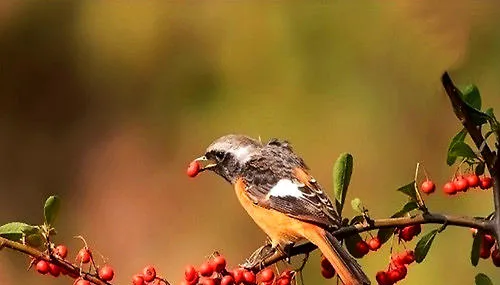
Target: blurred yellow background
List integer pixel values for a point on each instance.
(105, 104)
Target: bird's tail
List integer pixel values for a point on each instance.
(345, 265)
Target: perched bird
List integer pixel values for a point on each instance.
(272, 183)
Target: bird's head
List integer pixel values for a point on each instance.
(228, 155)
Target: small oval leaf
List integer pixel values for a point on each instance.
(472, 96)
(476, 246)
(16, 230)
(459, 137)
(423, 245)
(410, 190)
(357, 205)
(483, 279)
(461, 149)
(385, 234)
(51, 209)
(342, 171)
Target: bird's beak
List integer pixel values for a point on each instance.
(206, 163)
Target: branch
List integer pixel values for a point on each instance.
(462, 111)
(70, 268)
(426, 218)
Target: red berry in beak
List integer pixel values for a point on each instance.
(193, 169)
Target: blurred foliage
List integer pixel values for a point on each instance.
(104, 103)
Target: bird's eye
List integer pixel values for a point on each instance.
(219, 155)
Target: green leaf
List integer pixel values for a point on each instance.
(459, 137)
(411, 205)
(423, 245)
(357, 205)
(483, 279)
(16, 230)
(51, 209)
(461, 149)
(489, 112)
(472, 96)
(410, 190)
(350, 244)
(476, 246)
(385, 234)
(342, 171)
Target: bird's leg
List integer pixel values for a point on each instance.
(258, 256)
(286, 249)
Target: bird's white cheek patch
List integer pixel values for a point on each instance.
(242, 154)
(285, 187)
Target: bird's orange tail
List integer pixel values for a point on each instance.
(345, 265)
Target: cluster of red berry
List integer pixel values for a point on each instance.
(363, 247)
(488, 248)
(460, 183)
(214, 272)
(148, 276)
(84, 256)
(397, 269)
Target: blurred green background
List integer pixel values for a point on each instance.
(106, 103)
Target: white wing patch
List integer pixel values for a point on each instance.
(285, 187)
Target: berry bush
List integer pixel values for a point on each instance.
(474, 166)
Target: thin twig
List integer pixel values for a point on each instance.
(71, 269)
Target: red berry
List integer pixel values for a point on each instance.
(238, 275)
(193, 169)
(461, 184)
(406, 233)
(485, 182)
(267, 275)
(428, 187)
(83, 255)
(81, 281)
(206, 269)
(249, 277)
(106, 273)
(395, 275)
(362, 247)
(61, 251)
(450, 188)
(383, 278)
(190, 274)
(473, 180)
(484, 252)
(327, 273)
(397, 259)
(54, 270)
(149, 273)
(374, 243)
(219, 263)
(325, 263)
(138, 280)
(42, 266)
(283, 281)
(495, 257)
(207, 281)
(488, 241)
(227, 280)
(408, 256)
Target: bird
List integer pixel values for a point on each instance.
(275, 188)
